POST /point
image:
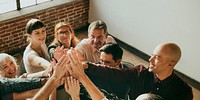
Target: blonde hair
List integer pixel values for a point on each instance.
(4, 57)
(74, 40)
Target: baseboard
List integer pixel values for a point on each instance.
(146, 57)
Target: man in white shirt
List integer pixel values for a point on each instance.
(97, 37)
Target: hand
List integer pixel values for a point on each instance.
(79, 55)
(49, 71)
(51, 68)
(60, 68)
(23, 75)
(72, 87)
(75, 66)
(58, 52)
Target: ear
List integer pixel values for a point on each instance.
(172, 64)
(106, 34)
(118, 62)
(28, 35)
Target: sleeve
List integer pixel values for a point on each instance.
(106, 72)
(18, 84)
(82, 47)
(26, 55)
(51, 50)
(110, 39)
(7, 97)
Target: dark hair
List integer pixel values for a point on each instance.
(33, 24)
(113, 49)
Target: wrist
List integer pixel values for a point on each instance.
(82, 78)
(43, 81)
(76, 97)
(25, 75)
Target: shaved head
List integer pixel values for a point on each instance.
(172, 50)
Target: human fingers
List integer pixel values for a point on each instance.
(69, 68)
(62, 48)
(61, 67)
(65, 51)
(73, 57)
(69, 82)
(77, 82)
(62, 60)
(66, 85)
(57, 48)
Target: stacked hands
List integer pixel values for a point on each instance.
(68, 69)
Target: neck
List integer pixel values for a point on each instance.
(163, 75)
(35, 46)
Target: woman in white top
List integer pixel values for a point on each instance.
(36, 57)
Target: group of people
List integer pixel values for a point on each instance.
(88, 69)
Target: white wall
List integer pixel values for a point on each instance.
(144, 24)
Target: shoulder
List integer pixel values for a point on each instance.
(110, 39)
(138, 71)
(83, 42)
(181, 83)
(28, 51)
(83, 45)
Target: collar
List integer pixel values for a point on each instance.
(164, 82)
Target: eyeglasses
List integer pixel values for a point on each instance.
(64, 33)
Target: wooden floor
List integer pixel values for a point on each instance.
(127, 56)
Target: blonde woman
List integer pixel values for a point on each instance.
(64, 37)
(8, 69)
(36, 56)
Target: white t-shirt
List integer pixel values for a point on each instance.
(29, 51)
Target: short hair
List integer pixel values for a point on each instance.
(113, 49)
(98, 24)
(173, 51)
(33, 24)
(4, 57)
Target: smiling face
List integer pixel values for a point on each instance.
(107, 59)
(164, 58)
(8, 68)
(97, 38)
(38, 36)
(159, 60)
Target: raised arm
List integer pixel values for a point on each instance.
(76, 69)
(72, 87)
(52, 83)
(37, 61)
(20, 84)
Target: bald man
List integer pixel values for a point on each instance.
(158, 78)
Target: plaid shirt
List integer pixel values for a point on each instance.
(8, 86)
